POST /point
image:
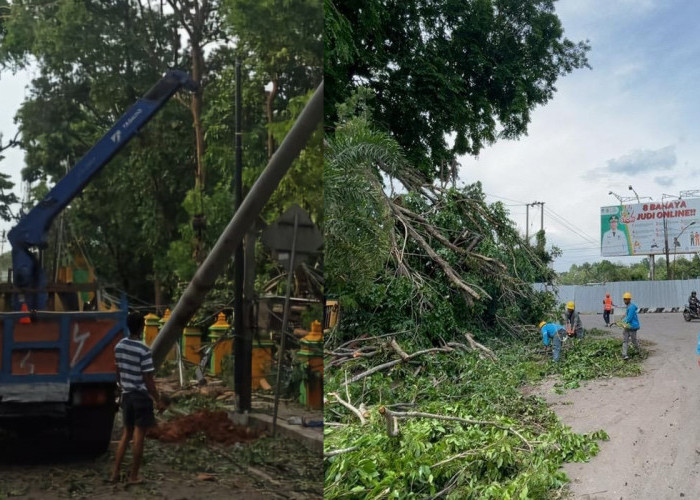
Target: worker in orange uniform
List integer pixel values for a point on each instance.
(607, 309)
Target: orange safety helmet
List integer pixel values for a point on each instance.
(542, 323)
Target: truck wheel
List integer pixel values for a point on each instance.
(91, 429)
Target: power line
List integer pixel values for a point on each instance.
(568, 225)
(554, 216)
(523, 203)
(572, 227)
(573, 249)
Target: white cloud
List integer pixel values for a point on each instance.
(644, 160)
(664, 181)
(635, 111)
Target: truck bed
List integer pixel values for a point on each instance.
(40, 359)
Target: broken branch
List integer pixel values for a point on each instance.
(350, 407)
(416, 414)
(398, 349)
(480, 347)
(389, 364)
(392, 423)
(340, 451)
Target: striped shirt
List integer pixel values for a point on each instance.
(133, 360)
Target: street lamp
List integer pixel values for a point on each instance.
(635, 192)
(676, 245)
(621, 199)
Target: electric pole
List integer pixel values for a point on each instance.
(527, 221)
(527, 217)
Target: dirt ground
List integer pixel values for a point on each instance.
(200, 454)
(653, 420)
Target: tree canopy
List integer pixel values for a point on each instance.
(449, 77)
(93, 59)
(679, 267)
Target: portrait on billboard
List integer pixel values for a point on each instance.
(615, 241)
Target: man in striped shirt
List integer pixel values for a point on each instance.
(135, 375)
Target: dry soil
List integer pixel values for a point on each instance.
(653, 420)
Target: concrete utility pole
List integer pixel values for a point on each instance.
(527, 217)
(244, 217)
(527, 221)
(541, 204)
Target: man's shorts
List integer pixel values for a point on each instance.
(137, 410)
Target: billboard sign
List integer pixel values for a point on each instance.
(644, 228)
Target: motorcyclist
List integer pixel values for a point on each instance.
(693, 303)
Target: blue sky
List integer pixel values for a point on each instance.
(631, 119)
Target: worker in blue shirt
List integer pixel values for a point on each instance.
(631, 325)
(553, 332)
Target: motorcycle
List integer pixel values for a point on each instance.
(689, 314)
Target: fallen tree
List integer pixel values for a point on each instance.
(452, 422)
(438, 261)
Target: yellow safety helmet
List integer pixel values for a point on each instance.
(570, 305)
(542, 323)
(627, 295)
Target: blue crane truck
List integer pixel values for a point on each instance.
(57, 362)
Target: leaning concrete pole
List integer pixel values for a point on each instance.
(244, 217)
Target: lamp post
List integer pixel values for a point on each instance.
(676, 245)
(635, 192)
(664, 196)
(621, 199)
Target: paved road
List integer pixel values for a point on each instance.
(653, 420)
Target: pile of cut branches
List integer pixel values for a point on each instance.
(410, 422)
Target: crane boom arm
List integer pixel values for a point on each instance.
(32, 229)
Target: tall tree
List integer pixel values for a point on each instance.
(7, 199)
(94, 60)
(428, 70)
(469, 70)
(282, 42)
